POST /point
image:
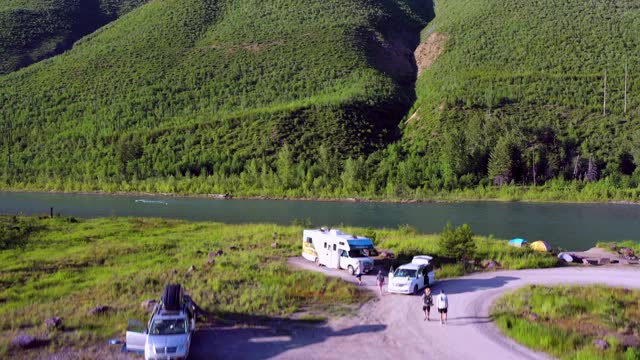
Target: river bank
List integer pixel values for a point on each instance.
(573, 192)
(452, 198)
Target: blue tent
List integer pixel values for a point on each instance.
(517, 242)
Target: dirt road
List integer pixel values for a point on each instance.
(392, 327)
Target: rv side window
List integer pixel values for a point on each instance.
(334, 247)
(325, 245)
(309, 240)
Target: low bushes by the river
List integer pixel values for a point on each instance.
(573, 322)
(406, 242)
(605, 190)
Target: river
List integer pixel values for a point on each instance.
(571, 226)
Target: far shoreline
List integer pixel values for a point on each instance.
(316, 199)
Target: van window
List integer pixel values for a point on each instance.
(309, 240)
(334, 247)
(325, 245)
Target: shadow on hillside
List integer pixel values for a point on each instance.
(261, 337)
(461, 286)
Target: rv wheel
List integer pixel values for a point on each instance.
(317, 261)
(350, 268)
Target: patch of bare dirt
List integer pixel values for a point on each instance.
(429, 51)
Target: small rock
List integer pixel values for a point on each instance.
(613, 246)
(387, 255)
(99, 310)
(53, 322)
(213, 254)
(601, 344)
(274, 244)
(149, 304)
(211, 262)
(491, 264)
(628, 341)
(233, 248)
(626, 252)
(191, 268)
(604, 261)
(25, 341)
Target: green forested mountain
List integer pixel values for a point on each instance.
(31, 30)
(520, 90)
(319, 98)
(202, 87)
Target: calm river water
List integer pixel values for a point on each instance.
(571, 226)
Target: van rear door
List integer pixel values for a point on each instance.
(136, 337)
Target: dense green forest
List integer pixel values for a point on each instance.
(320, 99)
(32, 30)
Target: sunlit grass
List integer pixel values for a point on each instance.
(570, 318)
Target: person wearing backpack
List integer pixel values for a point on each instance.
(427, 301)
(443, 304)
(380, 280)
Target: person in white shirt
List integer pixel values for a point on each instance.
(442, 302)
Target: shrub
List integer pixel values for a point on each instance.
(457, 244)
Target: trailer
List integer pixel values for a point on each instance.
(334, 249)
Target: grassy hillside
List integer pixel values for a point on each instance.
(180, 87)
(31, 30)
(318, 99)
(519, 91)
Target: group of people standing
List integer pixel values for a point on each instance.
(441, 301)
(442, 304)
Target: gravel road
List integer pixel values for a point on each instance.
(392, 326)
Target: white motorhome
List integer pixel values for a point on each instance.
(410, 278)
(337, 250)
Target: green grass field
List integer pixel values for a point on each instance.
(569, 318)
(65, 267)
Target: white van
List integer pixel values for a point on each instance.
(410, 278)
(337, 250)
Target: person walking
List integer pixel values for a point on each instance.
(443, 305)
(427, 301)
(380, 280)
(358, 273)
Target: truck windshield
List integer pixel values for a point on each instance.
(356, 253)
(168, 327)
(405, 273)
